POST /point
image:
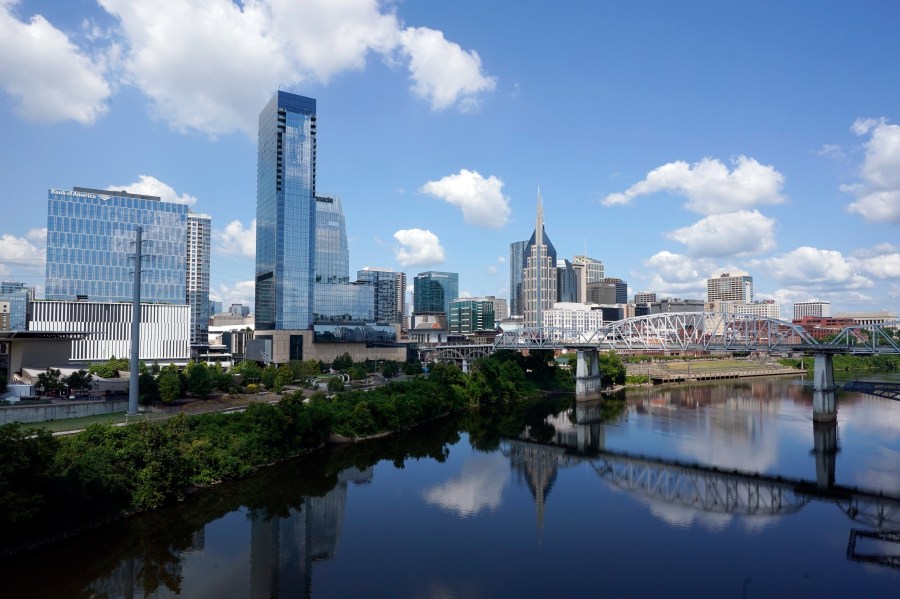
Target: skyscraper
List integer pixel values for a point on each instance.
(434, 291)
(286, 213)
(389, 291)
(516, 267)
(539, 275)
(729, 287)
(589, 270)
(197, 275)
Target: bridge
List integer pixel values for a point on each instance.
(706, 332)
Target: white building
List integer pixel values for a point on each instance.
(572, 321)
(728, 287)
(197, 274)
(812, 308)
(866, 318)
(767, 309)
(588, 270)
(164, 329)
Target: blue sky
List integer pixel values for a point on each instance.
(671, 140)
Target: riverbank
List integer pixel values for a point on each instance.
(677, 371)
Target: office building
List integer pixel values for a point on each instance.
(19, 298)
(215, 308)
(471, 314)
(644, 297)
(668, 305)
(729, 287)
(812, 308)
(286, 213)
(566, 281)
(573, 321)
(539, 276)
(766, 308)
(607, 291)
(197, 275)
(389, 293)
(433, 291)
(868, 318)
(4, 316)
(516, 268)
(501, 312)
(588, 270)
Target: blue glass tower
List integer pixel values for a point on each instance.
(286, 213)
(90, 243)
(434, 291)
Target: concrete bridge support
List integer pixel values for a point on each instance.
(824, 407)
(587, 375)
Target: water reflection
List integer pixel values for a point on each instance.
(479, 487)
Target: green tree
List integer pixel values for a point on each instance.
(612, 369)
(199, 381)
(109, 369)
(304, 369)
(169, 382)
(342, 363)
(357, 372)
(25, 474)
(78, 381)
(249, 371)
(49, 381)
(267, 376)
(390, 369)
(4, 384)
(335, 384)
(283, 377)
(412, 368)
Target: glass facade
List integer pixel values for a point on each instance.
(470, 315)
(566, 282)
(332, 253)
(18, 296)
(389, 293)
(197, 275)
(90, 246)
(434, 291)
(286, 213)
(358, 333)
(516, 268)
(536, 275)
(353, 302)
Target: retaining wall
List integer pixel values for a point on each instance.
(59, 411)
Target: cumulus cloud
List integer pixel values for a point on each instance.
(478, 488)
(733, 234)
(238, 53)
(418, 247)
(878, 192)
(442, 72)
(23, 256)
(709, 186)
(481, 200)
(151, 186)
(678, 275)
(235, 240)
(815, 269)
(49, 77)
(881, 261)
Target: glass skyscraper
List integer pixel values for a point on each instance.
(90, 246)
(18, 295)
(516, 268)
(286, 213)
(434, 291)
(390, 292)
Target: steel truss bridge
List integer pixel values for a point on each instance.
(685, 332)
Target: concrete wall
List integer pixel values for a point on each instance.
(59, 411)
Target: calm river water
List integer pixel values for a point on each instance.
(709, 490)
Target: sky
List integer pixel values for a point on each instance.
(671, 140)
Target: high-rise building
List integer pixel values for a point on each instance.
(767, 308)
(588, 270)
(18, 296)
(433, 291)
(729, 287)
(812, 308)
(539, 275)
(197, 275)
(607, 291)
(644, 297)
(566, 282)
(516, 268)
(501, 311)
(286, 213)
(471, 314)
(389, 293)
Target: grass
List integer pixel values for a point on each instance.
(717, 365)
(74, 424)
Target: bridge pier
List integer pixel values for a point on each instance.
(587, 375)
(824, 407)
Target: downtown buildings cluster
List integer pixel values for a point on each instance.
(306, 305)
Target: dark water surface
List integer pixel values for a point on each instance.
(714, 490)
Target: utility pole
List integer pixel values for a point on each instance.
(133, 392)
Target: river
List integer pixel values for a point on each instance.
(724, 489)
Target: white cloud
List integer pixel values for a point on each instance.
(492, 270)
(49, 77)
(878, 193)
(814, 269)
(881, 261)
(23, 256)
(442, 72)
(242, 292)
(235, 240)
(481, 200)
(709, 186)
(151, 186)
(677, 275)
(418, 247)
(210, 65)
(733, 234)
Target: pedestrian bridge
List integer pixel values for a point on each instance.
(702, 332)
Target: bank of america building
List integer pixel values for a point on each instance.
(90, 274)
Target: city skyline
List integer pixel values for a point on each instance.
(670, 143)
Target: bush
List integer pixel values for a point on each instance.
(252, 388)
